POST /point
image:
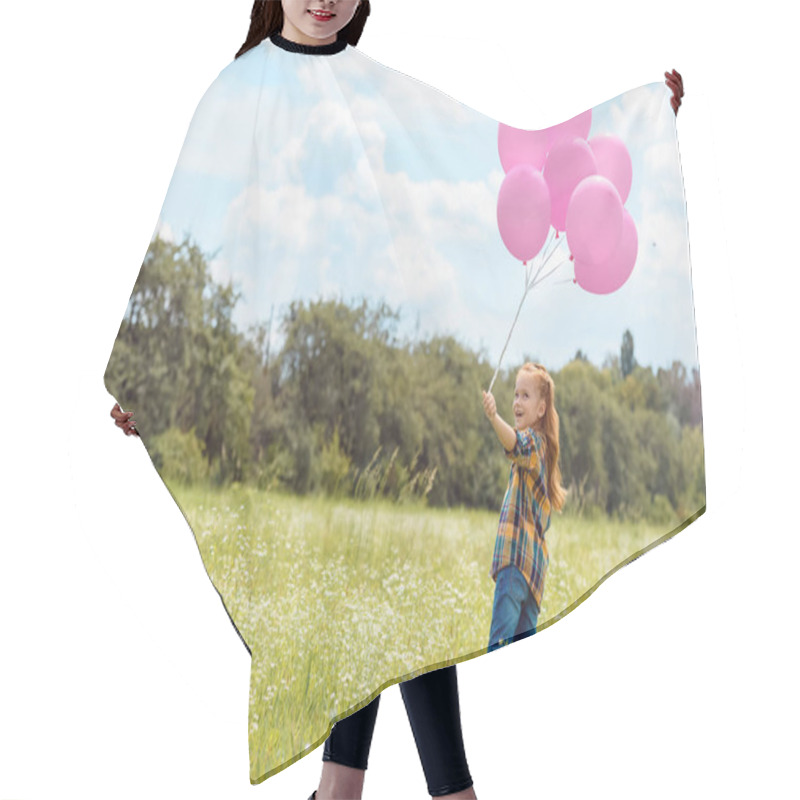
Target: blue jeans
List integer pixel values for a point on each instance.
(514, 613)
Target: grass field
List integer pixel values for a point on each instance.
(339, 599)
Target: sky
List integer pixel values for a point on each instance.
(312, 177)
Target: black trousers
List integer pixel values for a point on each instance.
(431, 701)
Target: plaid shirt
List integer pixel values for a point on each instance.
(525, 514)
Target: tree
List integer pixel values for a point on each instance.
(626, 358)
(580, 355)
(178, 359)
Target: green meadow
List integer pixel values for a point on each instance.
(340, 598)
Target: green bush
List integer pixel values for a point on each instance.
(179, 456)
(660, 511)
(334, 467)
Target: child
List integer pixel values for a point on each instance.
(520, 560)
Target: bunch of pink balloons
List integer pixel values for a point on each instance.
(556, 177)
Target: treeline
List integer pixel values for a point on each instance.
(348, 408)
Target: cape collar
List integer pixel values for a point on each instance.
(309, 49)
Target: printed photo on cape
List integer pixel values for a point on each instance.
(346, 258)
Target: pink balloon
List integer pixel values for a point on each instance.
(612, 273)
(569, 161)
(594, 220)
(577, 126)
(613, 162)
(523, 211)
(517, 146)
(520, 146)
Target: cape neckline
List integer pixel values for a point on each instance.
(309, 49)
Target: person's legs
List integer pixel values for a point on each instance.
(346, 753)
(339, 782)
(351, 737)
(510, 593)
(528, 617)
(431, 701)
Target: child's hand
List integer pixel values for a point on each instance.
(489, 405)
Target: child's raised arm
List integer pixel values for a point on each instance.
(505, 433)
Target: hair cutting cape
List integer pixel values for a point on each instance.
(344, 258)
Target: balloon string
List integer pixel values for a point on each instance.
(545, 260)
(547, 243)
(508, 338)
(552, 271)
(528, 287)
(551, 240)
(549, 246)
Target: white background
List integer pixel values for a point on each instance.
(120, 674)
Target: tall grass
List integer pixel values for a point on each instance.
(339, 598)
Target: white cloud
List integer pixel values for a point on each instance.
(325, 217)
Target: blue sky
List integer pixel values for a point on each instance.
(336, 176)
